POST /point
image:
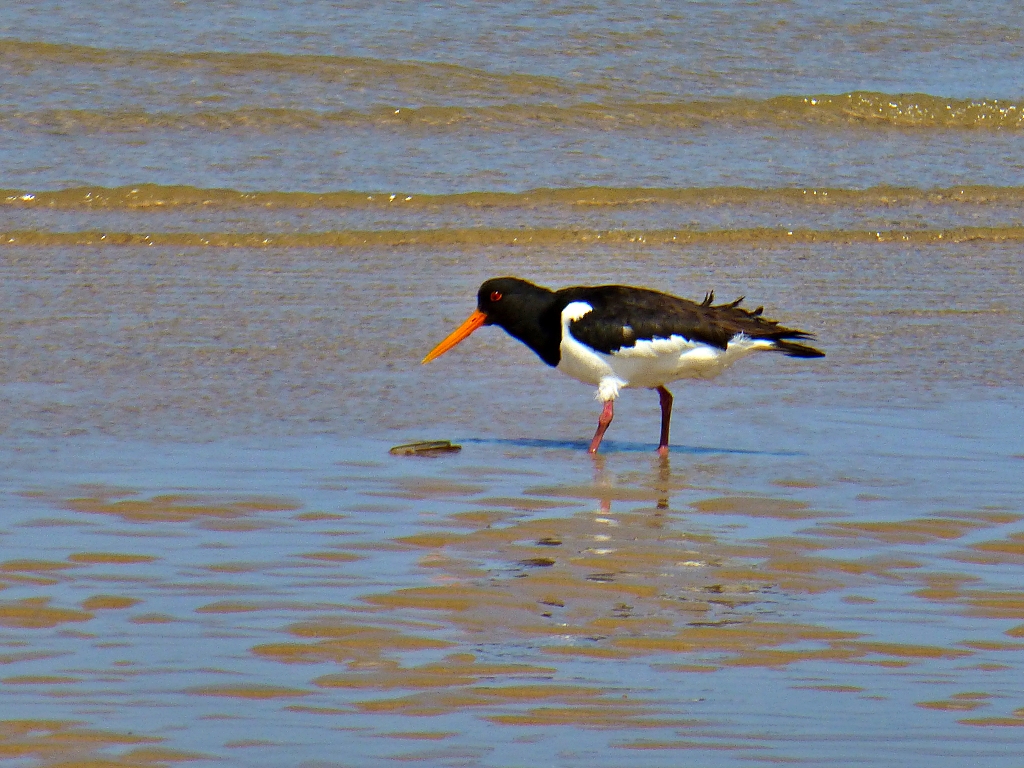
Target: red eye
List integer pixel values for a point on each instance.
(495, 295)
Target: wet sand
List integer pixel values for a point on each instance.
(521, 601)
(210, 554)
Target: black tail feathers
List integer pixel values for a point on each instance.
(793, 349)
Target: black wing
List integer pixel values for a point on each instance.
(624, 315)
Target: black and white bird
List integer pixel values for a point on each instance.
(617, 337)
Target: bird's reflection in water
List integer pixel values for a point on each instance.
(663, 480)
(661, 483)
(602, 483)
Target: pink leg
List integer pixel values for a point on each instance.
(602, 425)
(666, 416)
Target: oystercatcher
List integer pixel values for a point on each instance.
(617, 336)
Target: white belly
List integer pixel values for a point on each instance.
(647, 364)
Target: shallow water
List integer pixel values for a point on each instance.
(228, 237)
(270, 605)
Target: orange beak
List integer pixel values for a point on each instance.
(473, 322)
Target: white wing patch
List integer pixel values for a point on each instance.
(648, 363)
(655, 348)
(574, 311)
(653, 362)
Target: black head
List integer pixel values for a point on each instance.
(505, 300)
(524, 310)
(521, 308)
